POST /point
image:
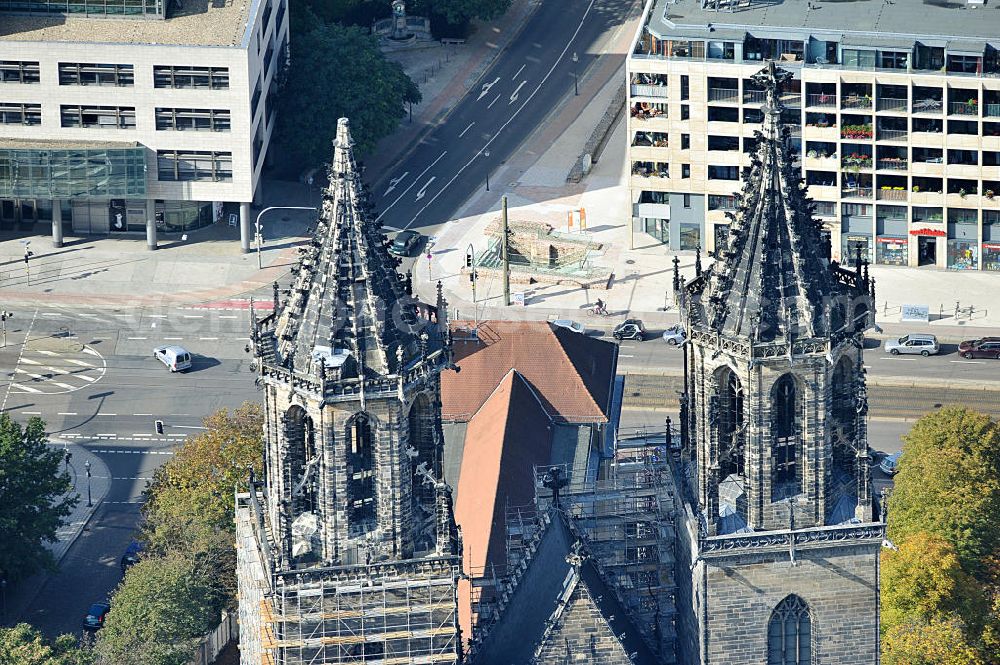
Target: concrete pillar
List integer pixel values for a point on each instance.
(150, 224)
(57, 229)
(245, 227)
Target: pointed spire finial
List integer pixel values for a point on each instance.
(274, 288)
(677, 273)
(697, 260)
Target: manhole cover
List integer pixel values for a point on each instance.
(630, 262)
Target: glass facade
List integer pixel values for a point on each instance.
(891, 251)
(147, 8)
(67, 173)
(991, 256)
(962, 254)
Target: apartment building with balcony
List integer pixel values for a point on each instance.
(136, 116)
(894, 110)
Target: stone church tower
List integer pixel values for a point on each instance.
(779, 560)
(348, 550)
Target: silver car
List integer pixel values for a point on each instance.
(925, 345)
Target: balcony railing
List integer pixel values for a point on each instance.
(892, 135)
(856, 102)
(856, 162)
(857, 192)
(893, 164)
(963, 108)
(723, 95)
(891, 104)
(991, 110)
(822, 101)
(754, 96)
(927, 105)
(646, 90)
(893, 194)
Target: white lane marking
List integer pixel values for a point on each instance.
(157, 316)
(486, 88)
(107, 414)
(415, 180)
(81, 363)
(173, 338)
(242, 339)
(207, 339)
(513, 95)
(490, 105)
(88, 315)
(27, 389)
(56, 370)
(51, 314)
(32, 413)
(622, 355)
(516, 112)
(142, 414)
(140, 434)
(136, 338)
(423, 190)
(184, 427)
(967, 362)
(392, 186)
(228, 316)
(180, 435)
(30, 361)
(66, 413)
(194, 316)
(895, 358)
(514, 77)
(85, 378)
(464, 131)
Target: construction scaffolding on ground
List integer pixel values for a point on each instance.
(391, 613)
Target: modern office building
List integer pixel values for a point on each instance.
(894, 110)
(135, 116)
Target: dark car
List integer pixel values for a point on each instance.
(630, 329)
(131, 556)
(987, 347)
(95, 616)
(404, 243)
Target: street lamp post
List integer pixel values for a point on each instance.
(576, 77)
(86, 465)
(486, 154)
(471, 252)
(258, 235)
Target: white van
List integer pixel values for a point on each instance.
(174, 357)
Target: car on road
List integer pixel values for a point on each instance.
(131, 556)
(569, 324)
(629, 329)
(404, 243)
(925, 345)
(890, 463)
(987, 347)
(176, 358)
(675, 335)
(96, 615)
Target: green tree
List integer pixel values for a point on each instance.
(460, 11)
(24, 645)
(159, 613)
(948, 485)
(339, 72)
(190, 503)
(923, 580)
(936, 642)
(33, 497)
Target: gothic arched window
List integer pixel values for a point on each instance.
(785, 444)
(789, 633)
(361, 486)
(860, 317)
(302, 460)
(730, 423)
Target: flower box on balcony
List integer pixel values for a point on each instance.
(856, 132)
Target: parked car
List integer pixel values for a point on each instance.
(95, 616)
(925, 345)
(675, 335)
(987, 347)
(131, 556)
(176, 358)
(890, 463)
(629, 329)
(404, 243)
(575, 326)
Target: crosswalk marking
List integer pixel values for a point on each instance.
(27, 389)
(81, 363)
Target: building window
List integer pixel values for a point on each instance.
(858, 58)
(18, 71)
(723, 172)
(730, 424)
(199, 120)
(685, 141)
(685, 170)
(281, 14)
(784, 449)
(686, 199)
(266, 16)
(686, 112)
(685, 86)
(184, 166)
(721, 202)
(141, 8)
(255, 100)
(83, 73)
(789, 633)
(214, 78)
(106, 117)
(361, 488)
(20, 114)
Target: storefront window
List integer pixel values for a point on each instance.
(991, 256)
(179, 216)
(658, 228)
(891, 251)
(851, 244)
(962, 254)
(690, 236)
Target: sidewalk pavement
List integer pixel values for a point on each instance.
(19, 596)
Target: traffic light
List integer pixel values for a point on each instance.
(27, 255)
(468, 259)
(4, 315)
(159, 426)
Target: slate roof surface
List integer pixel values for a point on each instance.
(571, 373)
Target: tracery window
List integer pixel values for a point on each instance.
(789, 633)
(731, 423)
(361, 487)
(785, 445)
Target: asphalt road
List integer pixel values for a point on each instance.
(91, 376)
(529, 80)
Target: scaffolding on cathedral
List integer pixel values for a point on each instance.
(623, 510)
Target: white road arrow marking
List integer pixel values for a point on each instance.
(395, 181)
(423, 190)
(415, 180)
(513, 96)
(466, 129)
(486, 88)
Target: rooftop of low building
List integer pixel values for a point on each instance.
(729, 19)
(196, 23)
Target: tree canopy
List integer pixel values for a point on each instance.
(24, 645)
(336, 72)
(33, 497)
(936, 642)
(460, 11)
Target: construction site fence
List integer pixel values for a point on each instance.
(214, 642)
